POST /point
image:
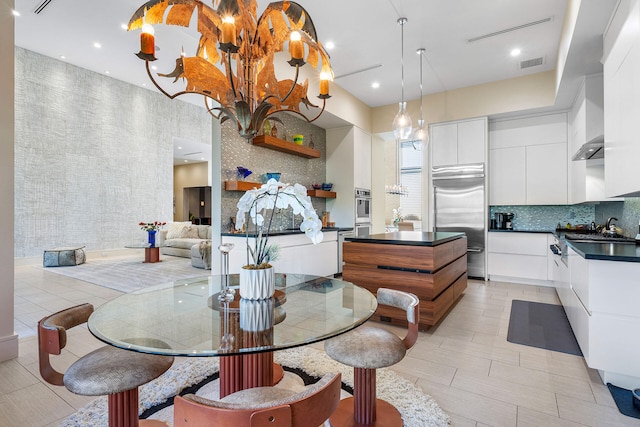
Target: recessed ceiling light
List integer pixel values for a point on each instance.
(63, 57)
(515, 52)
(375, 85)
(186, 161)
(15, 13)
(179, 148)
(144, 84)
(124, 26)
(202, 158)
(329, 45)
(107, 72)
(97, 45)
(154, 67)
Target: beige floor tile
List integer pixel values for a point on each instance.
(471, 406)
(15, 377)
(453, 359)
(568, 367)
(32, 406)
(531, 418)
(505, 391)
(593, 414)
(434, 372)
(540, 380)
(480, 350)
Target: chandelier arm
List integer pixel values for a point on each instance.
(210, 110)
(293, 85)
(233, 86)
(155, 83)
(324, 103)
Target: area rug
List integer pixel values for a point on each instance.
(417, 409)
(131, 274)
(543, 326)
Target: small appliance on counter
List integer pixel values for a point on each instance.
(503, 221)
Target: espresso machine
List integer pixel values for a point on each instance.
(503, 220)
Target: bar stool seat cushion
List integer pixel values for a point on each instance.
(366, 347)
(110, 370)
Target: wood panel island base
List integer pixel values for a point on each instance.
(433, 266)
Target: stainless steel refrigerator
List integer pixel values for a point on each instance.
(459, 205)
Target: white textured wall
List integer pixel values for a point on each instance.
(93, 155)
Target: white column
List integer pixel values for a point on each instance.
(8, 339)
(215, 168)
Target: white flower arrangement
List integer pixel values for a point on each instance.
(397, 215)
(271, 196)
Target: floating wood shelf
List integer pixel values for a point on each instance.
(322, 193)
(267, 141)
(246, 185)
(241, 185)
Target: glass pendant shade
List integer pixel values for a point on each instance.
(402, 125)
(420, 136)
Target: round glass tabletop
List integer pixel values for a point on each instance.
(185, 317)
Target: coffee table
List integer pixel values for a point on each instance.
(151, 253)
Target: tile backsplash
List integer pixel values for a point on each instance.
(547, 217)
(294, 169)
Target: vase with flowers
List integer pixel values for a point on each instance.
(397, 216)
(260, 205)
(152, 228)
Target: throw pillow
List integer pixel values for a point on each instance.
(175, 229)
(190, 232)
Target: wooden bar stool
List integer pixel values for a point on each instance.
(366, 349)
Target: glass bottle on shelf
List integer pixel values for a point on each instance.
(267, 127)
(311, 144)
(274, 131)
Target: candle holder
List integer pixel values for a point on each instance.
(226, 294)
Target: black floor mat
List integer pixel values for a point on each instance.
(541, 325)
(624, 401)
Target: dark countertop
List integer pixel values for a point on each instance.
(409, 238)
(286, 232)
(495, 230)
(627, 252)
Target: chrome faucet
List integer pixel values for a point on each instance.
(608, 226)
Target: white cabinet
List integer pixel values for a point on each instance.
(622, 100)
(298, 255)
(528, 161)
(601, 306)
(546, 171)
(460, 142)
(519, 257)
(348, 166)
(507, 178)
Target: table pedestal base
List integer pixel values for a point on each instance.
(248, 371)
(151, 255)
(386, 415)
(123, 411)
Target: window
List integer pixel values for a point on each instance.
(411, 179)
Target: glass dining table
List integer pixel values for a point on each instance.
(186, 318)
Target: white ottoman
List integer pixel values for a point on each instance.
(196, 257)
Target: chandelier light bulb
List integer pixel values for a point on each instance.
(402, 125)
(420, 136)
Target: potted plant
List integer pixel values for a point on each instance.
(260, 205)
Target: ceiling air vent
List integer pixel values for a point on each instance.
(531, 63)
(41, 6)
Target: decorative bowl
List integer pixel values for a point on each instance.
(316, 186)
(327, 186)
(274, 175)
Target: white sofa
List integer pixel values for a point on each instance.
(180, 238)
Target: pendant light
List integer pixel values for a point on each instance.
(421, 135)
(402, 126)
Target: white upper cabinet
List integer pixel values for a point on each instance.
(622, 101)
(460, 142)
(528, 160)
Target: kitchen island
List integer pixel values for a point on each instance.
(433, 266)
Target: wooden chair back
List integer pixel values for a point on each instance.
(310, 407)
(405, 226)
(52, 337)
(408, 302)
